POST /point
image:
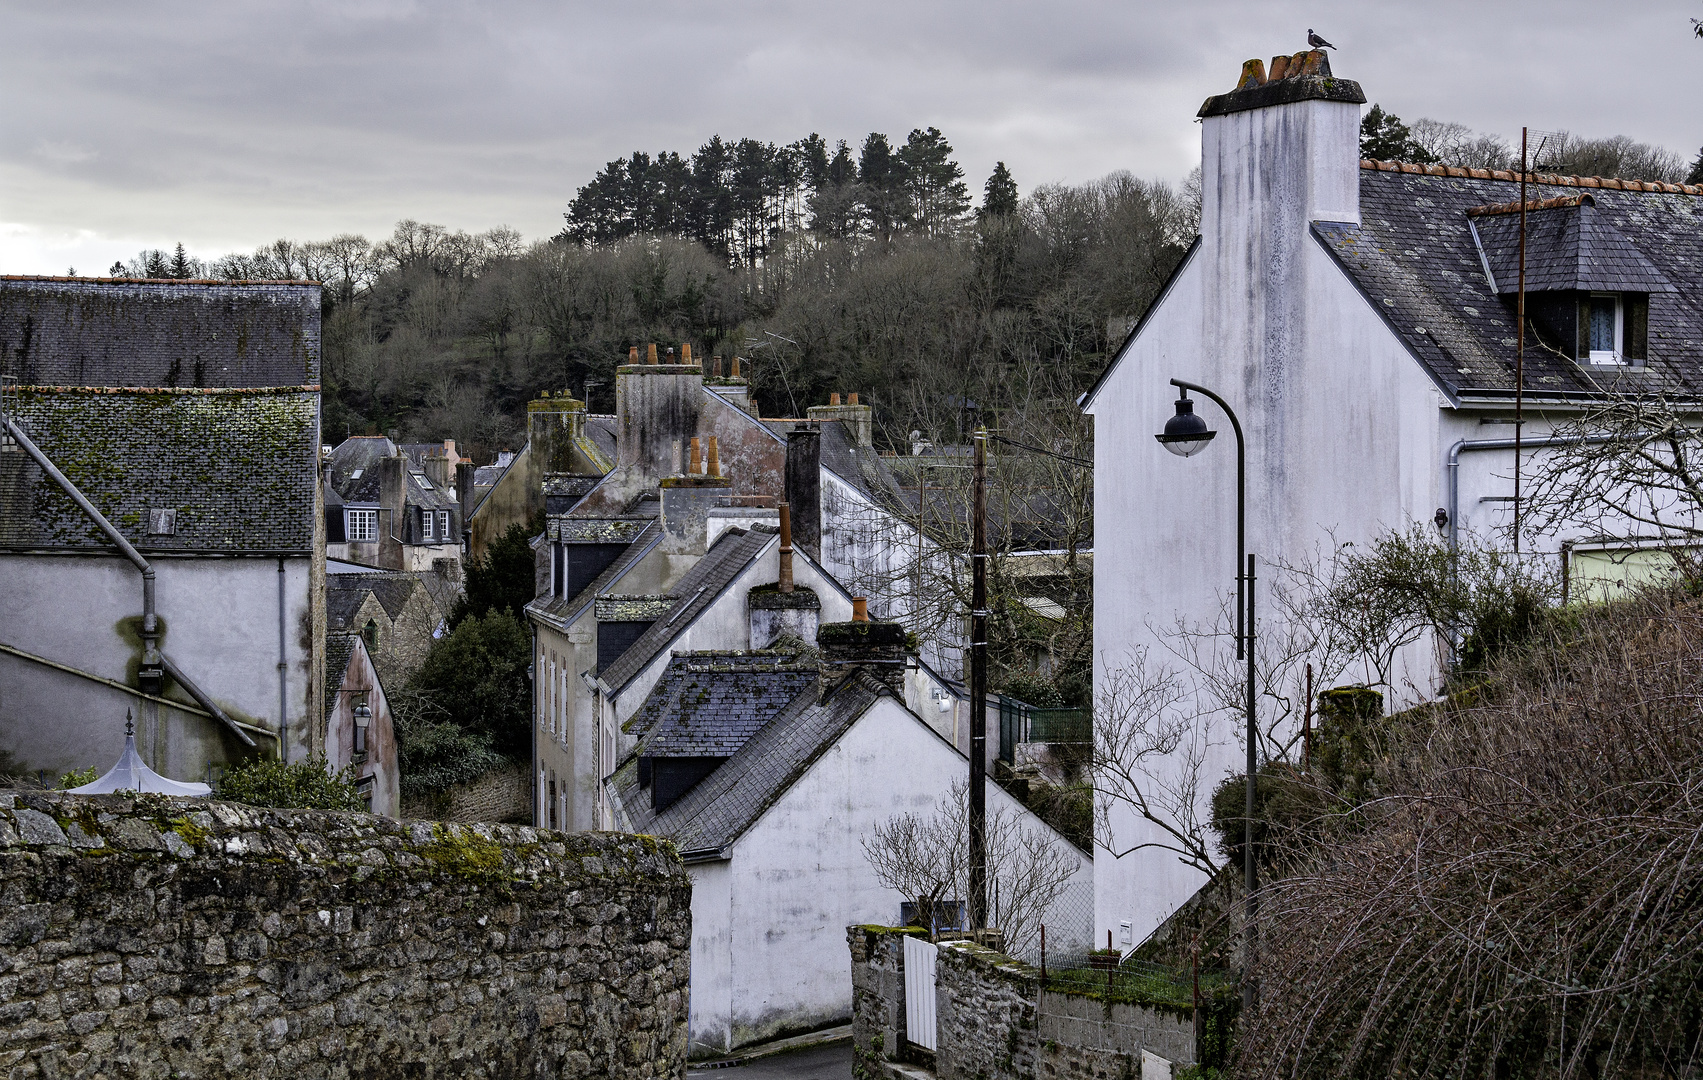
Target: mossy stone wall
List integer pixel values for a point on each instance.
(150, 937)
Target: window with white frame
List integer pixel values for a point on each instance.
(1606, 329)
(360, 526)
(443, 525)
(428, 522)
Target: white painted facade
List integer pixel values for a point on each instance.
(223, 624)
(1348, 437)
(769, 922)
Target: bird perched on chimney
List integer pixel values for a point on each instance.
(1316, 41)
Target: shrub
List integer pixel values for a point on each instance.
(307, 785)
(476, 676)
(78, 777)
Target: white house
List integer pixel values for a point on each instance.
(188, 583)
(768, 770)
(1358, 317)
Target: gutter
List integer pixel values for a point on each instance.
(1470, 445)
(151, 655)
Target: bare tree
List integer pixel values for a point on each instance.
(925, 857)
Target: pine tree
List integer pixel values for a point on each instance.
(999, 194)
(1695, 176)
(1383, 137)
(180, 266)
(935, 195)
(154, 264)
(880, 187)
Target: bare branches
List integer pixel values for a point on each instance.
(923, 857)
(1521, 898)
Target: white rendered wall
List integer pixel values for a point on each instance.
(799, 877)
(221, 626)
(1341, 423)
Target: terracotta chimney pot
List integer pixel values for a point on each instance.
(633, 355)
(696, 461)
(736, 367)
(852, 399)
(715, 368)
(834, 398)
(860, 609)
(686, 352)
(714, 468)
(650, 353)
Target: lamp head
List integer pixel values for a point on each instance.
(1185, 434)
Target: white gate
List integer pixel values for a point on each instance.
(919, 991)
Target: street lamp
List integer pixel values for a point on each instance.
(363, 719)
(1185, 435)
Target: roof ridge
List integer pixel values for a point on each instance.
(187, 391)
(1553, 179)
(1531, 204)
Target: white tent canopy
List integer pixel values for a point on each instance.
(130, 774)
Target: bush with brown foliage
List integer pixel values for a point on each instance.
(1518, 889)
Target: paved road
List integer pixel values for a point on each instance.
(831, 1062)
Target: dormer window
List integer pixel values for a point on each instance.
(429, 521)
(361, 526)
(1613, 328)
(1604, 323)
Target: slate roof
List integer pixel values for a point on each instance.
(1569, 247)
(338, 649)
(721, 807)
(1414, 258)
(561, 610)
(237, 467)
(362, 454)
(422, 492)
(345, 593)
(708, 704)
(696, 590)
(601, 429)
(119, 332)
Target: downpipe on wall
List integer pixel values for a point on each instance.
(1468, 445)
(153, 660)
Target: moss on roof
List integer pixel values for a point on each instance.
(238, 468)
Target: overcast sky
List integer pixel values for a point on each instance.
(226, 125)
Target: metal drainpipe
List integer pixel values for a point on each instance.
(150, 620)
(1466, 445)
(283, 670)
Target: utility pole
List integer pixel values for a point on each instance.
(1520, 350)
(978, 685)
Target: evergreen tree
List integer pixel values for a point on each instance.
(1383, 137)
(180, 265)
(999, 194)
(1695, 176)
(500, 580)
(154, 264)
(936, 197)
(880, 180)
(834, 203)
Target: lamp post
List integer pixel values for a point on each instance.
(1185, 435)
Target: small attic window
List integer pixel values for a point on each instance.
(356, 475)
(1605, 325)
(1613, 328)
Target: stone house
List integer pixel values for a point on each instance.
(398, 613)
(1359, 317)
(567, 452)
(161, 544)
(768, 768)
(362, 742)
(384, 510)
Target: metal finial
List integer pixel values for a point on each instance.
(129, 724)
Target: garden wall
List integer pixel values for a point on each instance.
(152, 937)
(994, 1021)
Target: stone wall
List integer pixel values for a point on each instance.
(993, 1022)
(503, 794)
(149, 937)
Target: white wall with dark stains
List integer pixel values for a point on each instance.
(221, 621)
(769, 922)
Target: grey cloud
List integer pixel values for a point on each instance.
(229, 124)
